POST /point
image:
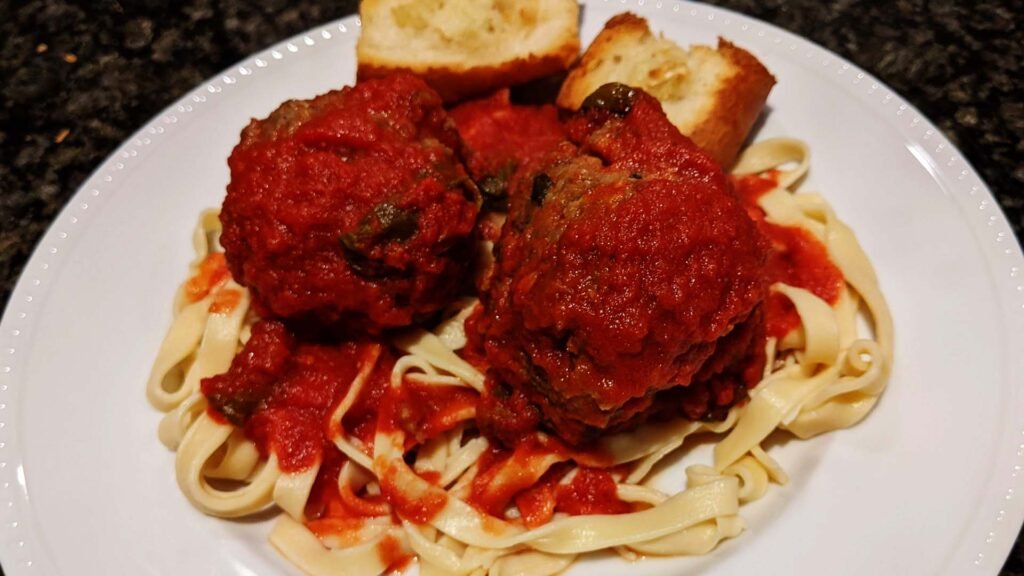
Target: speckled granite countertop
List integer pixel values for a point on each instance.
(80, 77)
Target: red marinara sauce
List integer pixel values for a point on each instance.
(330, 513)
(339, 517)
(503, 142)
(516, 476)
(225, 301)
(212, 272)
(421, 411)
(425, 411)
(591, 491)
(419, 508)
(280, 391)
(796, 258)
(393, 554)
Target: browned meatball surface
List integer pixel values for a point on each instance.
(628, 272)
(350, 210)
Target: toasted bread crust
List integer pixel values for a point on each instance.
(720, 128)
(738, 103)
(620, 29)
(454, 84)
(459, 75)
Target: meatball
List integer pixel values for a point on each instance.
(627, 283)
(351, 210)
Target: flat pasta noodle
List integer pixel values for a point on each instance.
(823, 375)
(302, 548)
(336, 433)
(531, 563)
(195, 455)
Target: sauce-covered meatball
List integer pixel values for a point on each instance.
(628, 282)
(351, 210)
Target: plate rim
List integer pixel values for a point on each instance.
(19, 540)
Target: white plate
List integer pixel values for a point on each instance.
(925, 485)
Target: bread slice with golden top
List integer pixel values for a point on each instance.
(714, 96)
(468, 47)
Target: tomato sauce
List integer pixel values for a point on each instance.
(425, 411)
(506, 476)
(366, 506)
(345, 530)
(473, 352)
(797, 258)
(420, 508)
(236, 394)
(212, 272)
(590, 492)
(282, 391)
(536, 504)
(361, 419)
(225, 301)
(503, 474)
(502, 142)
(335, 513)
(324, 497)
(393, 555)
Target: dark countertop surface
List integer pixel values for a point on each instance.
(79, 77)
